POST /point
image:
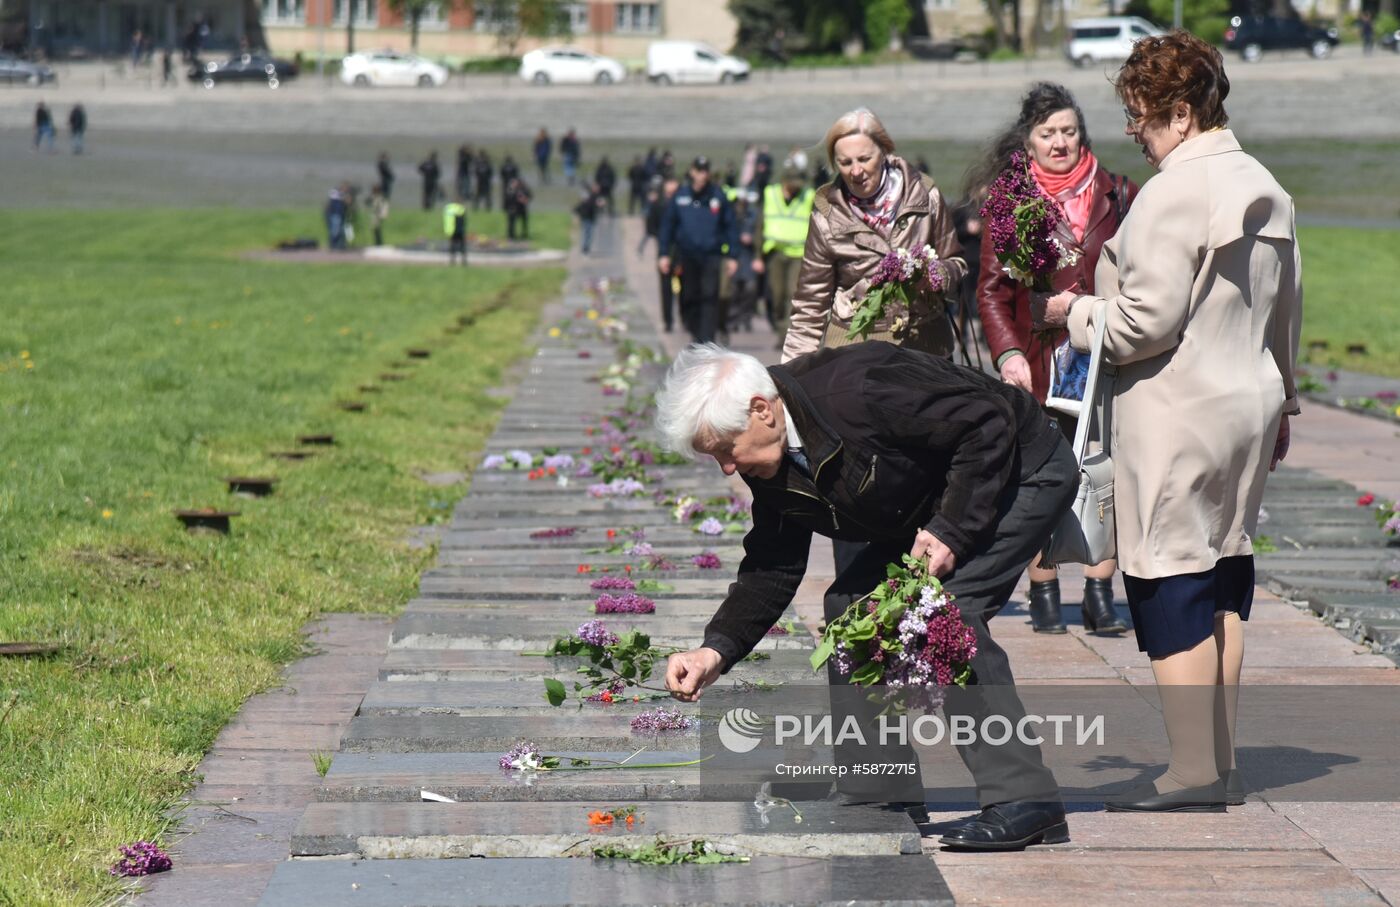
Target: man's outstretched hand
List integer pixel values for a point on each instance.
(941, 560)
(687, 673)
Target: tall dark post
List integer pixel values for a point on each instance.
(350, 27)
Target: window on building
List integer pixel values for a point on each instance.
(637, 18)
(284, 12)
(366, 11)
(578, 18)
(434, 16)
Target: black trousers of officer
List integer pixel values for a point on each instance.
(981, 587)
(700, 295)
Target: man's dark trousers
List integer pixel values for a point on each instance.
(981, 587)
(700, 296)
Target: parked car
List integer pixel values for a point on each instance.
(1102, 40)
(692, 62)
(13, 69)
(389, 67)
(959, 49)
(569, 64)
(254, 67)
(1252, 35)
(1391, 40)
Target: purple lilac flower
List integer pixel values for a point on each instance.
(494, 461)
(560, 532)
(659, 562)
(523, 458)
(616, 488)
(711, 526)
(641, 549)
(558, 461)
(140, 859)
(707, 560)
(626, 603)
(595, 633)
(612, 582)
(1386, 395)
(521, 757)
(661, 719)
(887, 271)
(613, 689)
(739, 506)
(777, 630)
(585, 468)
(1392, 525)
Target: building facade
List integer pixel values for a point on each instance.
(464, 29)
(65, 29)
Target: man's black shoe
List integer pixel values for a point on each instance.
(1208, 798)
(1010, 826)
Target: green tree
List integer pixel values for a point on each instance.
(884, 18)
(413, 10)
(512, 20)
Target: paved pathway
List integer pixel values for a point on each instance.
(452, 694)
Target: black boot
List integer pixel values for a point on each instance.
(1045, 607)
(1097, 608)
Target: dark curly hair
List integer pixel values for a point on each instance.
(1044, 100)
(1165, 70)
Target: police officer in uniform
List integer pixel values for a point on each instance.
(699, 222)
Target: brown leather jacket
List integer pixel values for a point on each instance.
(1004, 305)
(843, 252)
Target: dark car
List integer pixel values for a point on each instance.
(13, 69)
(1252, 35)
(963, 51)
(243, 68)
(1391, 40)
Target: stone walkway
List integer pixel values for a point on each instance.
(451, 693)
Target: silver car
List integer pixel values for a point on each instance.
(13, 69)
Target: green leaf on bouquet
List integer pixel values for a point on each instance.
(825, 650)
(868, 673)
(861, 629)
(554, 691)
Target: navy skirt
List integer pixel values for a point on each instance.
(1175, 613)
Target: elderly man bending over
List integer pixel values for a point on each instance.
(910, 453)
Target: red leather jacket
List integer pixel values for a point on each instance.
(1004, 304)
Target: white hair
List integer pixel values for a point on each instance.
(707, 395)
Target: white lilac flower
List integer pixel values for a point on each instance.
(494, 461)
(683, 510)
(641, 549)
(558, 461)
(710, 526)
(523, 458)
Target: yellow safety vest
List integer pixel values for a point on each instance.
(784, 223)
(449, 216)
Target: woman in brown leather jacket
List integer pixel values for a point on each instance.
(878, 202)
(1051, 131)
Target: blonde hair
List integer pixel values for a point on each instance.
(857, 122)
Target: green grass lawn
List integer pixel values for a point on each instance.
(1349, 296)
(141, 360)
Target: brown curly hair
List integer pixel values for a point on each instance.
(1164, 70)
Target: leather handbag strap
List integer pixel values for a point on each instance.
(1093, 401)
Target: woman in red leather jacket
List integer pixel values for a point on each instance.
(1051, 131)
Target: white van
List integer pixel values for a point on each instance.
(1099, 40)
(692, 62)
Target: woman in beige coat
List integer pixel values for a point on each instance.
(877, 203)
(1203, 308)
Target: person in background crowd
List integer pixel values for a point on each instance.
(637, 178)
(378, 213)
(167, 66)
(605, 182)
(699, 223)
(337, 209)
(570, 152)
(463, 181)
(783, 221)
(509, 171)
(43, 126)
(1051, 131)
(1202, 298)
(730, 178)
(543, 148)
(517, 207)
(668, 165)
(659, 203)
(1366, 22)
(485, 172)
(386, 174)
(454, 226)
(746, 172)
(432, 173)
(762, 170)
(740, 302)
(652, 163)
(587, 210)
(77, 127)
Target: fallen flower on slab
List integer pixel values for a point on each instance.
(139, 859)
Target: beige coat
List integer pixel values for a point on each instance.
(1204, 327)
(843, 251)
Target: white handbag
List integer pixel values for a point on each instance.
(1084, 534)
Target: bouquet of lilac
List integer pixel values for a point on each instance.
(1022, 222)
(906, 635)
(900, 277)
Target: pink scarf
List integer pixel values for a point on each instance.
(880, 210)
(1071, 189)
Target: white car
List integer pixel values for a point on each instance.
(569, 64)
(692, 61)
(388, 67)
(1101, 40)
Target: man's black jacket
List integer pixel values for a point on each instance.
(897, 440)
